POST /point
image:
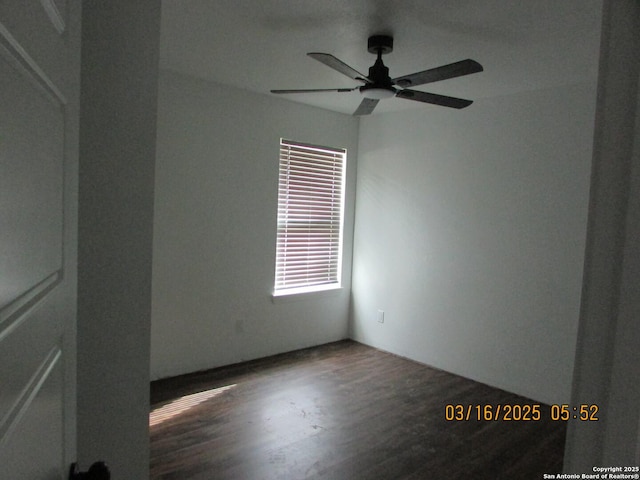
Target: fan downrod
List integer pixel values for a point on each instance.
(380, 44)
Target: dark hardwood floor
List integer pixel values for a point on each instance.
(341, 411)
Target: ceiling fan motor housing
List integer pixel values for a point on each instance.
(381, 86)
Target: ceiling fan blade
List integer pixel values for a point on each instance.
(457, 69)
(433, 98)
(310, 90)
(366, 106)
(339, 65)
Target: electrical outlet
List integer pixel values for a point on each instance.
(380, 316)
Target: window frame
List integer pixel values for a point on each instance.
(323, 170)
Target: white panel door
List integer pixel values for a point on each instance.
(39, 58)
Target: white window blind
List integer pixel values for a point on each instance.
(310, 209)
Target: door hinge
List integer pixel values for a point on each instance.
(97, 471)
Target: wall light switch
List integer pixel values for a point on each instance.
(380, 316)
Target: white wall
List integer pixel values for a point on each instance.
(607, 364)
(119, 77)
(215, 227)
(470, 235)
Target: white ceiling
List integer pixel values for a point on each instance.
(260, 45)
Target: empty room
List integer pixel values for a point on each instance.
(319, 240)
(463, 238)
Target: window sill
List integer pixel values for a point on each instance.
(297, 296)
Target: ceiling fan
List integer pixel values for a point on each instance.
(378, 85)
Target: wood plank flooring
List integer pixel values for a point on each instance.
(341, 411)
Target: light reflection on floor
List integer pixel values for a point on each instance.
(183, 404)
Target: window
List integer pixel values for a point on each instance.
(310, 210)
